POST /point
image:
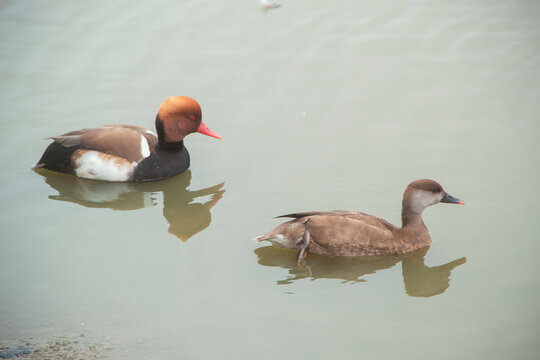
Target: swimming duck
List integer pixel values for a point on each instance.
(129, 152)
(352, 233)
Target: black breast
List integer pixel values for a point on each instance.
(163, 162)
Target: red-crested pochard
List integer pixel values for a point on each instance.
(352, 233)
(129, 152)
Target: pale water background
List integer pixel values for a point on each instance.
(322, 105)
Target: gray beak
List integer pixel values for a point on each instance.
(447, 198)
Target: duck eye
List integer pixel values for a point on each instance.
(192, 116)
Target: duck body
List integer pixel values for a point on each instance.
(129, 152)
(351, 233)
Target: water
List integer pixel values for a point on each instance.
(321, 106)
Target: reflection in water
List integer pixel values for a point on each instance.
(186, 217)
(419, 279)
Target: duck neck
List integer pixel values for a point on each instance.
(171, 146)
(163, 145)
(413, 228)
(409, 217)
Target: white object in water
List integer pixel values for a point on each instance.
(266, 4)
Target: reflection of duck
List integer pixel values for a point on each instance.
(419, 279)
(185, 216)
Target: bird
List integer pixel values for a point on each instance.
(354, 233)
(267, 4)
(129, 152)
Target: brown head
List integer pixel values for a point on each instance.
(179, 116)
(422, 193)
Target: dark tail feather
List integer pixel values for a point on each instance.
(299, 215)
(57, 158)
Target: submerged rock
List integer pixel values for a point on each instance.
(59, 349)
(7, 353)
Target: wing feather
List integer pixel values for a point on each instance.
(119, 140)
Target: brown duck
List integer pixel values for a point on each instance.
(353, 233)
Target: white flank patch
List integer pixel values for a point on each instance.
(145, 149)
(278, 240)
(281, 240)
(90, 165)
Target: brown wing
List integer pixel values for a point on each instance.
(119, 140)
(358, 234)
(357, 215)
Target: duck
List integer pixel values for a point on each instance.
(129, 152)
(354, 233)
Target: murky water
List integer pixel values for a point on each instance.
(322, 105)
